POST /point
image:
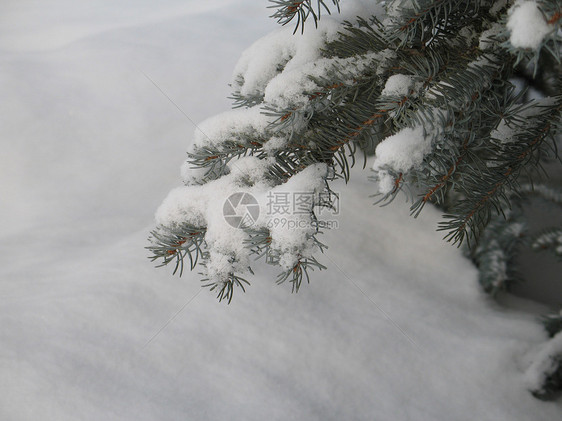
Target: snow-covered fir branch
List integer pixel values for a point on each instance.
(424, 85)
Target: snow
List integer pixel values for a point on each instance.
(184, 205)
(226, 126)
(487, 38)
(497, 264)
(398, 85)
(400, 152)
(274, 144)
(395, 329)
(544, 363)
(203, 206)
(527, 25)
(395, 7)
(295, 242)
(279, 51)
(503, 133)
(279, 65)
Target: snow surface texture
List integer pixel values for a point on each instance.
(396, 329)
(527, 25)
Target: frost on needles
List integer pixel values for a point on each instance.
(428, 86)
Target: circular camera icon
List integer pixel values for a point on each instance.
(241, 210)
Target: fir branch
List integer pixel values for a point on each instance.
(225, 288)
(548, 193)
(497, 250)
(175, 244)
(419, 25)
(361, 38)
(545, 373)
(299, 272)
(489, 189)
(549, 239)
(444, 179)
(460, 95)
(216, 158)
(287, 10)
(552, 323)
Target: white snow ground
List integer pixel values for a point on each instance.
(396, 329)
